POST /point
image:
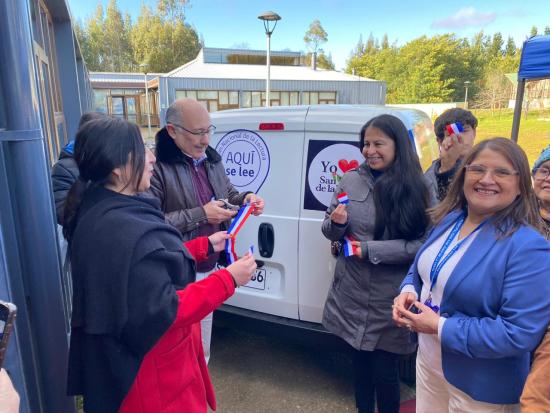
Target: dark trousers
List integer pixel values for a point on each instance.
(376, 378)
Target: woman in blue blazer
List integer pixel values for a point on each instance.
(478, 292)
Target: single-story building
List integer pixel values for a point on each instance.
(232, 78)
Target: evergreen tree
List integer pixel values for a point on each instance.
(510, 47)
(434, 69)
(495, 49)
(385, 42)
(161, 38)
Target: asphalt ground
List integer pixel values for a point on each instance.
(253, 373)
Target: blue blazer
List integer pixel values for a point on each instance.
(497, 305)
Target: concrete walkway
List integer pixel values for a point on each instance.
(258, 374)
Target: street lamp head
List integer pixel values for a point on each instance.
(268, 17)
(144, 67)
(467, 83)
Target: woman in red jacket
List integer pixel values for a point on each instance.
(135, 332)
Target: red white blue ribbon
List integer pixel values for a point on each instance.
(343, 198)
(349, 248)
(454, 128)
(236, 225)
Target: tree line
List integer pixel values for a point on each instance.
(435, 69)
(159, 41)
(424, 70)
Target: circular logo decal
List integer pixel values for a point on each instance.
(328, 167)
(245, 158)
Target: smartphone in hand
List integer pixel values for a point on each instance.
(414, 309)
(7, 318)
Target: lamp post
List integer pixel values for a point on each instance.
(466, 85)
(268, 17)
(143, 67)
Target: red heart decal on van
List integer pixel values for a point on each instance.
(347, 166)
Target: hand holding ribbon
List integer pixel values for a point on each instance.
(257, 202)
(242, 269)
(351, 246)
(452, 147)
(243, 214)
(339, 215)
(218, 239)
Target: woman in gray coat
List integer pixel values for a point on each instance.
(383, 225)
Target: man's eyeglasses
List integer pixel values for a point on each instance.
(199, 132)
(540, 174)
(479, 171)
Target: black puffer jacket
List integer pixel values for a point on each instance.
(64, 174)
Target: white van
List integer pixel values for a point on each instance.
(294, 157)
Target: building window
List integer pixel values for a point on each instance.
(276, 98)
(129, 104)
(252, 99)
(100, 100)
(212, 100)
(53, 119)
(318, 98)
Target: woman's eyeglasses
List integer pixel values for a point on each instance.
(480, 171)
(540, 174)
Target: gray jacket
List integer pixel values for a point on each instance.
(439, 183)
(359, 303)
(431, 181)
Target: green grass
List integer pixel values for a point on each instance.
(534, 130)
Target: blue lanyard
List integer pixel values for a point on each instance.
(440, 261)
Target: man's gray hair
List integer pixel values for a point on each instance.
(173, 113)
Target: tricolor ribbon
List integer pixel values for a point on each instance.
(454, 128)
(343, 198)
(236, 225)
(349, 248)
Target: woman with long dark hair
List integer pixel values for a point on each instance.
(135, 332)
(384, 223)
(479, 286)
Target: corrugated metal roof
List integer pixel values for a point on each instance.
(198, 69)
(116, 77)
(207, 51)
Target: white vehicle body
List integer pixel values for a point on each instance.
(293, 158)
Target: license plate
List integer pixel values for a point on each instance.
(258, 279)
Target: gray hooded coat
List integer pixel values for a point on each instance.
(359, 303)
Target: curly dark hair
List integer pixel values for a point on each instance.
(452, 116)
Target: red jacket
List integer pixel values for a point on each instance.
(173, 377)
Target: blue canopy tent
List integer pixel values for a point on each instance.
(534, 65)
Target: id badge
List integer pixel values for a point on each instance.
(434, 307)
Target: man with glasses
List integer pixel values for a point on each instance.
(189, 180)
(453, 145)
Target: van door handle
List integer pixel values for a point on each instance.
(266, 239)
